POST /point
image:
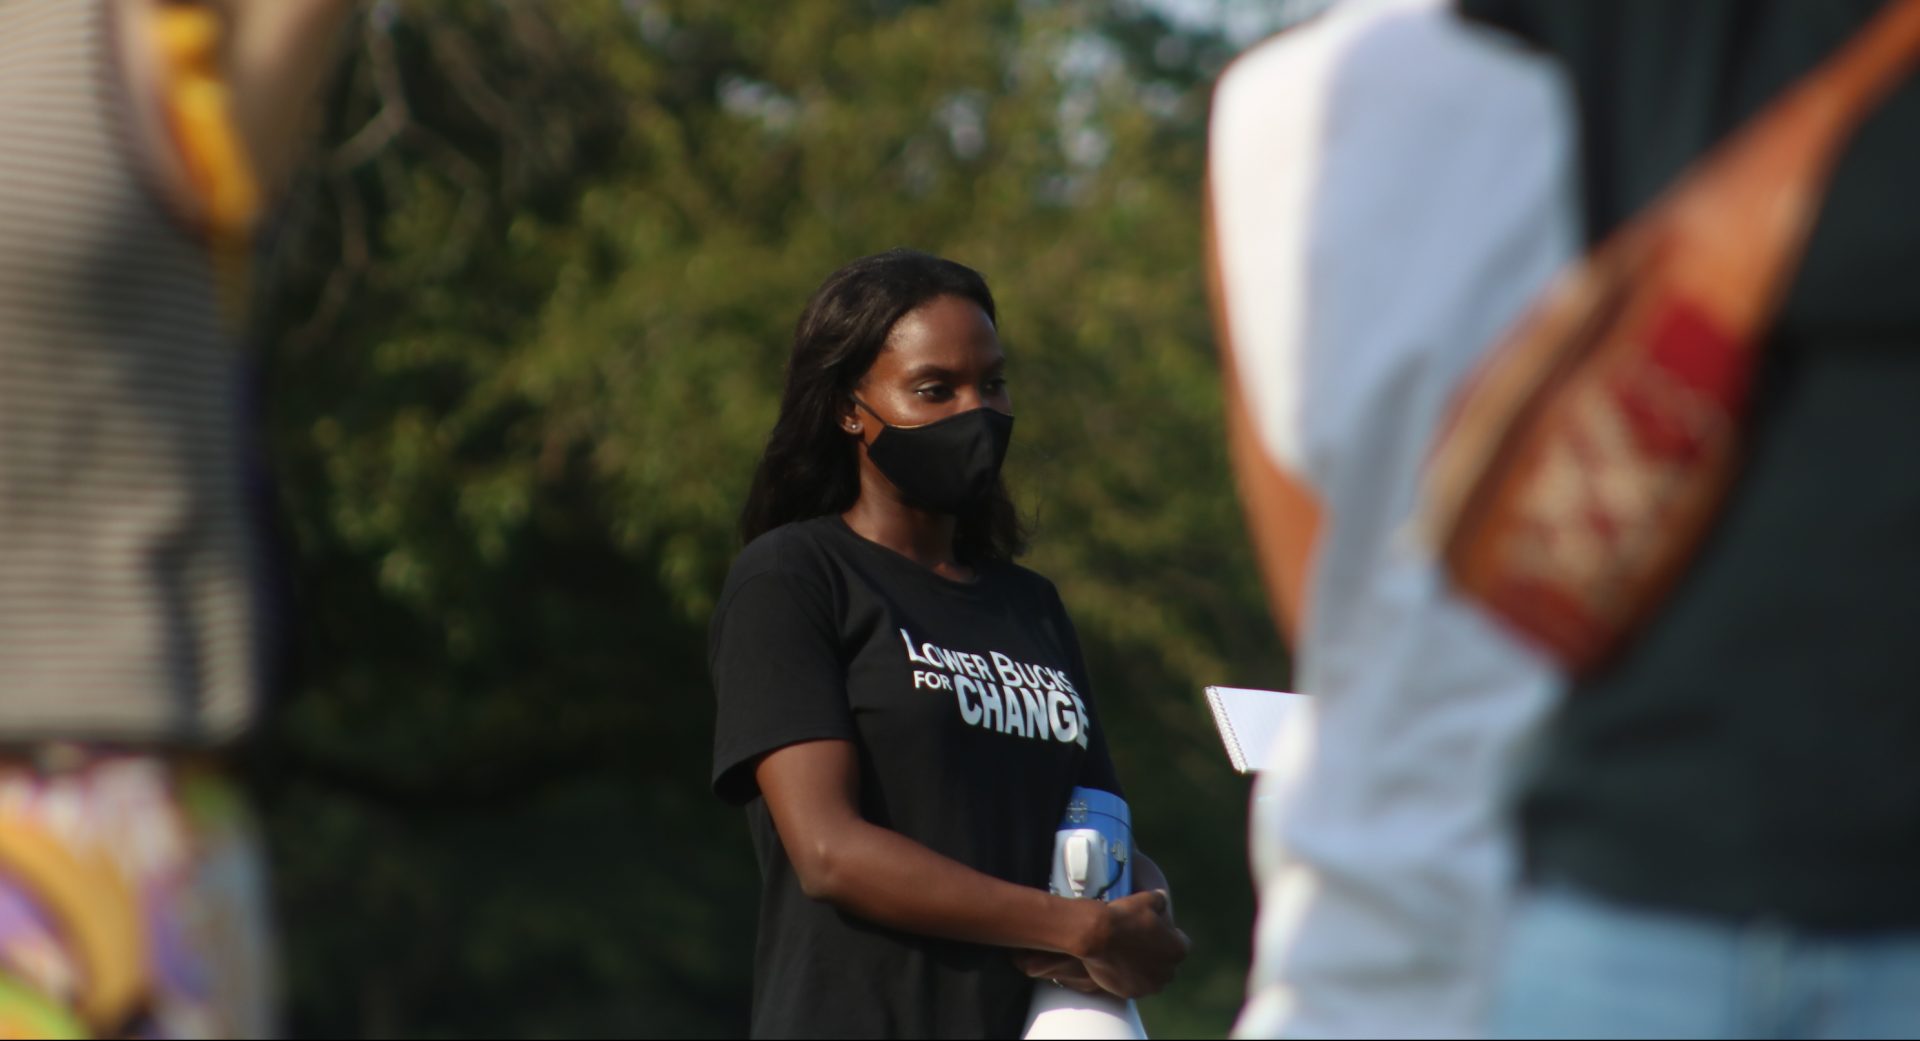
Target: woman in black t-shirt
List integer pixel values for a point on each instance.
(902, 709)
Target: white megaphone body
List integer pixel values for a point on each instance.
(1092, 860)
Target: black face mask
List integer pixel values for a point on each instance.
(945, 466)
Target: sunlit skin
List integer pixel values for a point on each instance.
(942, 359)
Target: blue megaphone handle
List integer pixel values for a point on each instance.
(1106, 813)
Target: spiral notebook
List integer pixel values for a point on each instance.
(1250, 720)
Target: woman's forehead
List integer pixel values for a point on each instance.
(947, 332)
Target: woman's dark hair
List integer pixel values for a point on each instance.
(810, 468)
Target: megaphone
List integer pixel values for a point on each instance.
(1092, 860)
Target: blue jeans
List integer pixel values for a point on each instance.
(1580, 966)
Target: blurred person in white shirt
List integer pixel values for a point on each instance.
(1389, 186)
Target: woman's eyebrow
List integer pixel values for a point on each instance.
(932, 369)
(928, 369)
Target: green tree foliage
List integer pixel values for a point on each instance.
(531, 309)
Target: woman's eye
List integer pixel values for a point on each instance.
(996, 384)
(936, 392)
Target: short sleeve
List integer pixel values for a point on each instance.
(1096, 767)
(774, 655)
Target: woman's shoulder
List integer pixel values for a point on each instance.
(798, 551)
(794, 539)
(1025, 581)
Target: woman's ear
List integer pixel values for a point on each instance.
(850, 417)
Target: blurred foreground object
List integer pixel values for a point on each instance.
(1736, 787)
(139, 136)
(1588, 458)
(1389, 188)
(130, 901)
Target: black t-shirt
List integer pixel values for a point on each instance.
(1756, 753)
(969, 708)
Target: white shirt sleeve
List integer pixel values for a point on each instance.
(1391, 186)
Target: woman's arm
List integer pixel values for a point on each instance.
(1283, 513)
(1129, 946)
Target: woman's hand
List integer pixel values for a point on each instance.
(1133, 947)
(1069, 971)
(1064, 969)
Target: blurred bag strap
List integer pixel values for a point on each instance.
(1588, 456)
